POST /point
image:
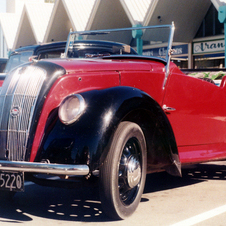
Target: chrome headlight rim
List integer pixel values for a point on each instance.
(62, 111)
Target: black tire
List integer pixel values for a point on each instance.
(123, 173)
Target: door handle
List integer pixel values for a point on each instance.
(166, 108)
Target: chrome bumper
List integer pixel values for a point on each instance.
(45, 168)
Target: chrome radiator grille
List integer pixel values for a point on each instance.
(18, 97)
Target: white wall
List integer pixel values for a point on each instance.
(10, 6)
(3, 47)
(16, 6)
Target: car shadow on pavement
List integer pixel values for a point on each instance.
(83, 204)
(53, 203)
(190, 175)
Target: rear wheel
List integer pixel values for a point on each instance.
(122, 176)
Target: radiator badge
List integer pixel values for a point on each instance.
(15, 111)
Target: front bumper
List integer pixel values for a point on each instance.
(45, 168)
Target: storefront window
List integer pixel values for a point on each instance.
(181, 63)
(209, 61)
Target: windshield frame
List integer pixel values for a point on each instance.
(71, 36)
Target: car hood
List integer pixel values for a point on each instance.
(97, 64)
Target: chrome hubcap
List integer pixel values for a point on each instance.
(133, 172)
(130, 172)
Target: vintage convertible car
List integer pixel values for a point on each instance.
(111, 117)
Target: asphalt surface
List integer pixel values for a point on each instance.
(198, 198)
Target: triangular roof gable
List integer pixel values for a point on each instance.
(136, 10)
(39, 15)
(107, 15)
(33, 23)
(79, 12)
(9, 24)
(66, 15)
(25, 34)
(59, 20)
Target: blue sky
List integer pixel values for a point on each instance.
(2, 6)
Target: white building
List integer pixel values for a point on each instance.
(28, 22)
(15, 23)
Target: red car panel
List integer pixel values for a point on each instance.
(150, 82)
(199, 117)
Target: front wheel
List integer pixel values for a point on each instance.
(123, 173)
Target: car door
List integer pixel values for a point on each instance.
(146, 77)
(196, 110)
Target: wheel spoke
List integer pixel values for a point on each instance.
(131, 150)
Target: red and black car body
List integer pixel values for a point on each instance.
(111, 116)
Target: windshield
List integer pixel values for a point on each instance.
(94, 48)
(102, 43)
(120, 41)
(16, 59)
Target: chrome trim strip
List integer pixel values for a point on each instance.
(46, 168)
(168, 55)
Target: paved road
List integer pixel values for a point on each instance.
(199, 198)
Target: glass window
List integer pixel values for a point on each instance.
(209, 61)
(51, 54)
(18, 58)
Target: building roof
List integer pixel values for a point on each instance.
(108, 14)
(9, 23)
(187, 16)
(46, 22)
(79, 12)
(136, 10)
(66, 15)
(33, 23)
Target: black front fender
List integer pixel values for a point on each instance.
(87, 140)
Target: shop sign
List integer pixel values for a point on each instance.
(159, 52)
(208, 46)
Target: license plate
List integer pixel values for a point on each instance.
(12, 181)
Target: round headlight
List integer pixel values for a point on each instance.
(71, 108)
